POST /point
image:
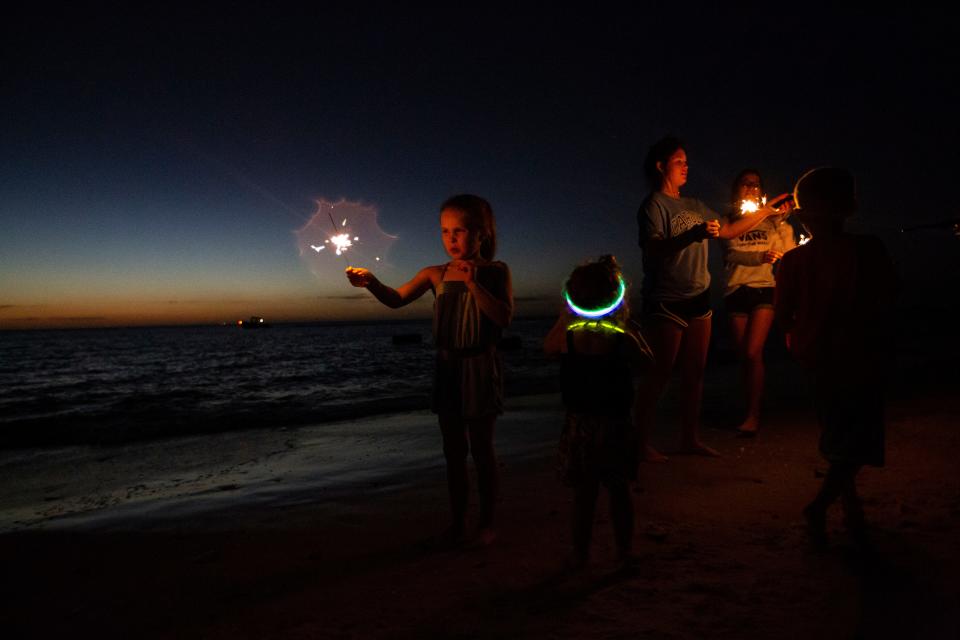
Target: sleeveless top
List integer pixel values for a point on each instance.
(459, 327)
(599, 384)
(468, 381)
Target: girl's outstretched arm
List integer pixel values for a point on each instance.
(393, 298)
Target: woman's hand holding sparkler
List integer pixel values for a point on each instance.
(782, 204)
(359, 277)
(711, 228)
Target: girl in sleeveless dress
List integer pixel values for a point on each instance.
(473, 304)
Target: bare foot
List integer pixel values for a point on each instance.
(649, 454)
(697, 448)
(749, 428)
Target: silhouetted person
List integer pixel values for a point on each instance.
(834, 299)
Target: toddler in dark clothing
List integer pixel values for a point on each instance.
(600, 350)
(834, 299)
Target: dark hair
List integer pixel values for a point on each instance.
(479, 217)
(660, 152)
(594, 284)
(826, 191)
(735, 187)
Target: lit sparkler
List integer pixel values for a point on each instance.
(749, 206)
(339, 231)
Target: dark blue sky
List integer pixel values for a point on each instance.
(155, 162)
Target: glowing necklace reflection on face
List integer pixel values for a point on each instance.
(599, 312)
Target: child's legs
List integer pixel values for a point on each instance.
(757, 329)
(840, 481)
(455, 448)
(852, 507)
(584, 506)
(664, 338)
(485, 459)
(621, 513)
(693, 362)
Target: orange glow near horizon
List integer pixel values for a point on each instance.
(126, 313)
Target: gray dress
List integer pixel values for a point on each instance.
(468, 378)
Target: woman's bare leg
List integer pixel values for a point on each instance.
(693, 362)
(751, 353)
(664, 338)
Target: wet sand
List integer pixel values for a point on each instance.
(267, 534)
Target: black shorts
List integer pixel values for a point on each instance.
(745, 299)
(680, 311)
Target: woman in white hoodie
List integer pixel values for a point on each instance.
(749, 259)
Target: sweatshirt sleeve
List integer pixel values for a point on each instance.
(746, 258)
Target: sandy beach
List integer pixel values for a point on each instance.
(277, 534)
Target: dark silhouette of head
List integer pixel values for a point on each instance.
(826, 193)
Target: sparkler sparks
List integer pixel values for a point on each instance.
(337, 229)
(342, 242)
(749, 206)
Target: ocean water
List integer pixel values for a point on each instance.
(115, 385)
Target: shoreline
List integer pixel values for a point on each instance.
(179, 476)
(356, 454)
